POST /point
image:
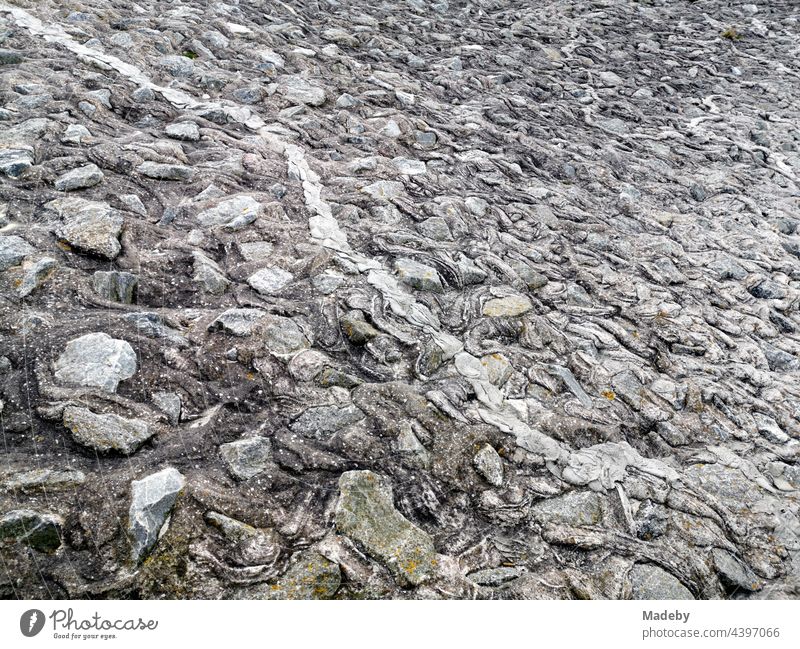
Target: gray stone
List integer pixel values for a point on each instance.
(42, 480)
(34, 529)
(346, 100)
(323, 421)
(735, 574)
(116, 286)
(239, 208)
(15, 162)
(409, 167)
(256, 250)
(186, 131)
(143, 95)
(133, 203)
(13, 250)
(575, 508)
(160, 171)
(180, 67)
(248, 95)
(651, 582)
(507, 307)
(209, 275)
(495, 576)
(10, 57)
(246, 458)
(366, 514)
(170, 404)
(417, 275)
(96, 360)
(282, 337)
(75, 134)
(35, 274)
(152, 500)
(311, 577)
(489, 464)
(239, 322)
(436, 228)
(106, 433)
(252, 546)
(300, 91)
(357, 330)
(269, 281)
(90, 227)
(384, 189)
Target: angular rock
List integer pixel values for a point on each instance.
(651, 582)
(366, 514)
(299, 91)
(42, 480)
(357, 330)
(35, 274)
(417, 275)
(209, 275)
(34, 529)
(246, 458)
(324, 420)
(507, 307)
(311, 577)
(170, 404)
(80, 178)
(116, 286)
(185, 131)
(489, 464)
(13, 250)
(90, 227)
(269, 281)
(241, 209)
(15, 162)
(159, 171)
(96, 360)
(106, 433)
(152, 500)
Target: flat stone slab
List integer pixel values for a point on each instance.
(366, 514)
(80, 178)
(13, 250)
(96, 360)
(106, 432)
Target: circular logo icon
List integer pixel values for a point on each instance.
(31, 622)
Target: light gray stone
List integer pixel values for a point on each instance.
(90, 227)
(152, 500)
(80, 178)
(13, 250)
(96, 360)
(269, 281)
(246, 458)
(366, 514)
(106, 433)
(489, 464)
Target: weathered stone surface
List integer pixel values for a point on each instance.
(300, 91)
(159, 171)
(80, 178)
(117, 286)
(106, 432)
(152, 500)
(325, 420)
(651, 582)
(186, 131)
(42, 480)
(246, 458)
(366, 514)
(489, 464)
(15, 162)
(269, 281)
(34, 529)
(311, 577)
(88, 226)
(96, 360)
(419, 276)
(209, 275)
(504, 307)
(13, 249)
(237, 209)
(170, 404)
